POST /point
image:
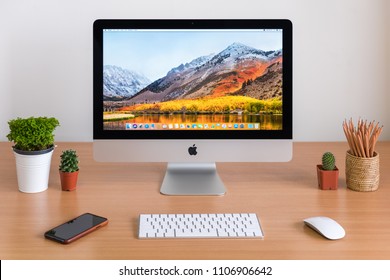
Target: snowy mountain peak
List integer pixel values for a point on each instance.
(193, 64)
(238, 48)
(242, 51)
(121, 83)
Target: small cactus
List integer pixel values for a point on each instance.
(328, 161)
(69, 161)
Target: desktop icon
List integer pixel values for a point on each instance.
(192, 150)
(135, 125)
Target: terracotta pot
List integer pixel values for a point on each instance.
(327, 179)
(69, 180)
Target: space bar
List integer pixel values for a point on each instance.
(195, 234)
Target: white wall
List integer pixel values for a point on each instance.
(341, 57)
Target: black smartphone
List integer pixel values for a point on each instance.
(76, 228)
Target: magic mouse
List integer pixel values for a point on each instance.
(327, 227)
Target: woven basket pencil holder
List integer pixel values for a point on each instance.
(362, 174)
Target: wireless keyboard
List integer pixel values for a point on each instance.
(241, 225)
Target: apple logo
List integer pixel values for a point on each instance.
(192, 150)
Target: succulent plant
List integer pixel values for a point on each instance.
(328, 161)
(69, 161)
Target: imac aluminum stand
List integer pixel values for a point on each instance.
(192, 179)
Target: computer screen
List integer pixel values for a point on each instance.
(192, 91)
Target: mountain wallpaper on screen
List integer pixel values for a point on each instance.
(236, 70)
(119, 83)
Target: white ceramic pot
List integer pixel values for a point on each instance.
(32, 169)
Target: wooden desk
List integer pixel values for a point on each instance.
(282, 194)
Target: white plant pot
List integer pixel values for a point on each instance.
(33, 169)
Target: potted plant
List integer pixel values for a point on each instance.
(69, 170)
(33, 147)
(327, 172)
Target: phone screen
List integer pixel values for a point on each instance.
(76, 228)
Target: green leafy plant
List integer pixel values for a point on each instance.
(33, 133)
(69, 161)
(328, 161)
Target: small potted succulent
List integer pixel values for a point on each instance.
(327, 172)
(69, 170)
(33, 147)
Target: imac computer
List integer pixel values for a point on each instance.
(192, 93)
